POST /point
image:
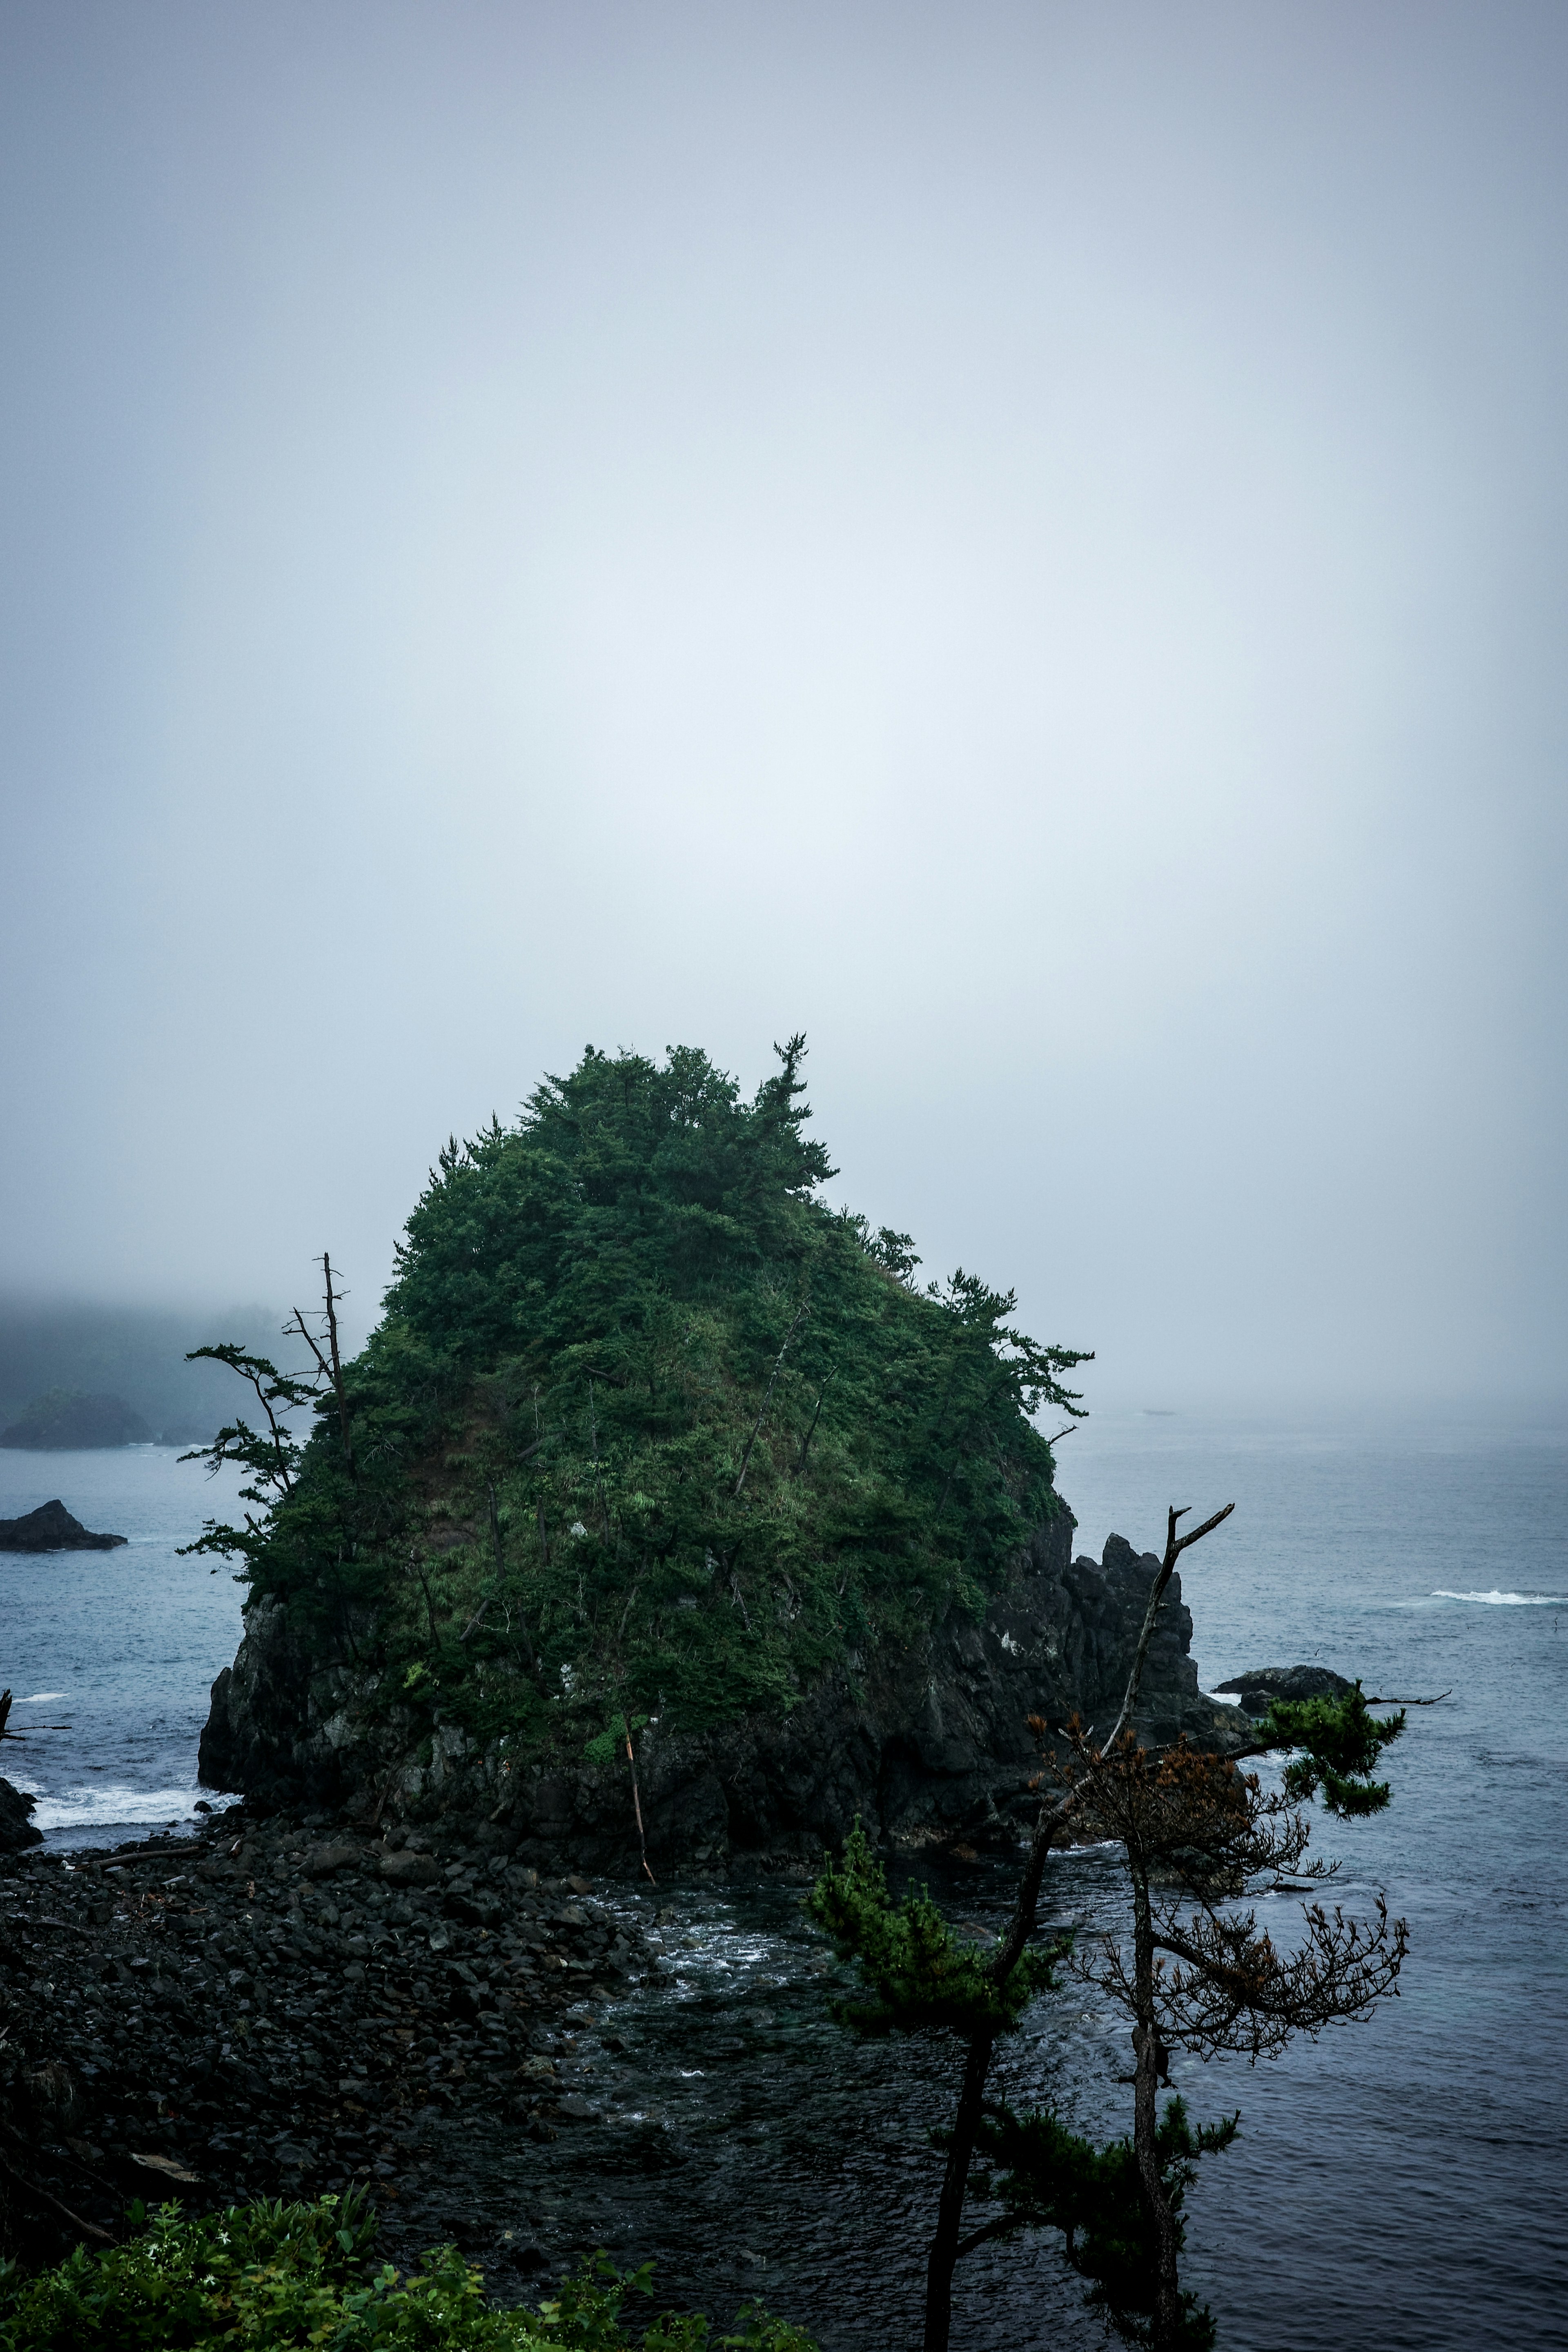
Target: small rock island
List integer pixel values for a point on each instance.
(51, 1527)
(1255, 1693)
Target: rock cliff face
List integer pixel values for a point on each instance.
(930, 1744)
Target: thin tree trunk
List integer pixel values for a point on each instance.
(948, 2244)
(330, 1365)
(342, 1393)
(767, 1399)
(1145, 2118)
(637, 1800)
(417, 1567)
(811, 1433)
(944, 2246)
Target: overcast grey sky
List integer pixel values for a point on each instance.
(1026, 542)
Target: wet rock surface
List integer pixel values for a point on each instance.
(277, 2008)
(17, 1831)
(652, 2070)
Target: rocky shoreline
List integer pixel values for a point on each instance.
(281, 2008)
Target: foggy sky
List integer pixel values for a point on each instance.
(1027, 543)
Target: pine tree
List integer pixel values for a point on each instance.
(1196, 1973)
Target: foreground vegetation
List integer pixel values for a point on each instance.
(272, 2276)
(647, 1427)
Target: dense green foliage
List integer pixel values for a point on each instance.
(646, 1425)
(917, 1971)
(1339, 1745)
(266, 2277)
(1049, 2177)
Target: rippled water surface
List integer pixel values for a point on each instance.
(1398, 2183)
(111, 1654)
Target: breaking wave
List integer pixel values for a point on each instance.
(75, 1809)
(1506, 1599)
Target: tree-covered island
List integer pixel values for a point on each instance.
(648, 1434)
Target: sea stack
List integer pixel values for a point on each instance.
(52, 1528)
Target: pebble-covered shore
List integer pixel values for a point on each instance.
(279, 2007)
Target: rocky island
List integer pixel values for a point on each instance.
(1255, 1692)
(51, 1527)
(666, 1511)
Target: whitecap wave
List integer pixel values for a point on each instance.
(77, 1809)
(1496, 1599)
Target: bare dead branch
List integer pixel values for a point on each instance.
(767, 1399)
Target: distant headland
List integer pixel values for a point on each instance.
(76, 1374)
(66, 1420)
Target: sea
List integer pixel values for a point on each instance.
(1399, 2182)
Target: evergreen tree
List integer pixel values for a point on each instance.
(1197, 1973)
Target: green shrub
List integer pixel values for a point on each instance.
(267, 2276)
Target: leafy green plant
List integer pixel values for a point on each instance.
(920, 1974)
(270, 2277)
(1339, 1745)
(606, 1746)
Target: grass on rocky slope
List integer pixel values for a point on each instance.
(648, 1428)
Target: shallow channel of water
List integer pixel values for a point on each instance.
(752, 2147)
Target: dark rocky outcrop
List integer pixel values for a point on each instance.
(1257, 1691)
(927, 1743)
(17, 1831)
(52, 1528)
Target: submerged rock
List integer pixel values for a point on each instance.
(52, 1528)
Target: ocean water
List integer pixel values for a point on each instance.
(110, 1656)
(1398, 2182)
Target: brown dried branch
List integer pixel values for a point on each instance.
(1232, 1989)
